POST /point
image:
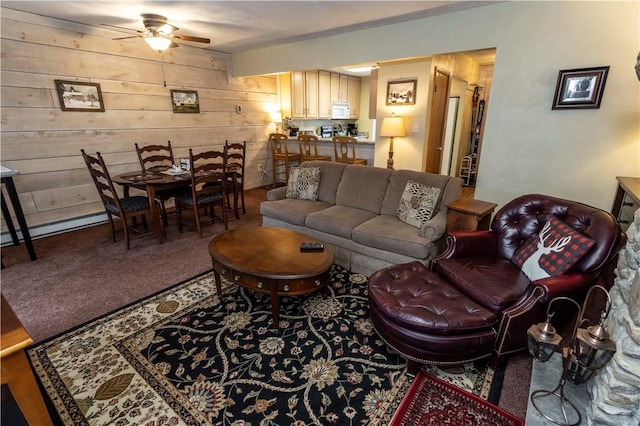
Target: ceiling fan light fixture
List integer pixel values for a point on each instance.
(158, 43)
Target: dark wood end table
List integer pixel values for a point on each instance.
(269, 261)
(468, 214)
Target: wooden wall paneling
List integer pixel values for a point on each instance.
(44, 142)
(26, 97)
(133, 48)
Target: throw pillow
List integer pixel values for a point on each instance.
(304, 183)
(418, 203)
(552, 251)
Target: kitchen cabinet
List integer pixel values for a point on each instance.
(324, 94)
(299, 94)
(339, 87)
(353, 96)
(309, 94)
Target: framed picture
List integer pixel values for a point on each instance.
(580, 88)
(185, 101)
(401, 92)
(79, 96)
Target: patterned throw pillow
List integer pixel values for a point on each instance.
(304, 183)
(553, 251)
(418, 203)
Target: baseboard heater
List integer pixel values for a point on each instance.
(54, 228)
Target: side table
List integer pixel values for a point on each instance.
(7, 174)
(468, 214)
(16, 371)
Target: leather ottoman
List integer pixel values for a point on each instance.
(426, 320)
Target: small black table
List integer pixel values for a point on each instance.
(7, 174)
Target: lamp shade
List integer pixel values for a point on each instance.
(392, 126)
(158, 43)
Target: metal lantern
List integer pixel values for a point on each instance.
(589, 350)
(592, 349)
(542, 340)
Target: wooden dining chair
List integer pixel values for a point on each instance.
(236, 154)
(278, 142)
(206, 190)
(309, 149)
(157, 158)
(128, 209)
(343, 146)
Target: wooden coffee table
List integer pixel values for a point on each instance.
(269, 261)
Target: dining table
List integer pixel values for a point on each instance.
(153, 181)
(160, 179)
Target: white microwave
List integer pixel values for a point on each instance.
(339, 110)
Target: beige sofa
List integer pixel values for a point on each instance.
(356, 215)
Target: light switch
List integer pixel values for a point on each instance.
(416, 128)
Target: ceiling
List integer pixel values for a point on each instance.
(235, 26)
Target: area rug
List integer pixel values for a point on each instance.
(431, 401)
(188, 356)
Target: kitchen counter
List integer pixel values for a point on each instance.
(364, 149)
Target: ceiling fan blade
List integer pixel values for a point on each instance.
(191, 38)
(124, 38)
(123, 28)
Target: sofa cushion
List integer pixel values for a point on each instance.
(398, 182)
(330, 177)
(303, 183)
(552, 251)
(291, 210)
(363, 187)
(418, 203)
(404, 239)
(338, 220)
(493, 282)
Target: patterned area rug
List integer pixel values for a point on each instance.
(188, 356)
(431, 401)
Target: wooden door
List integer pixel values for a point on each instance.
(435, 142)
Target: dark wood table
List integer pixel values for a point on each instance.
(269, 261)
(6, 175)
(153, 182)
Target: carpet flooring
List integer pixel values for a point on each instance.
(81, 275)
(189, 356)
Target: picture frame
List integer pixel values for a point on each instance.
(79, 96)
(401, 92)
(185, 101)
(580, 88)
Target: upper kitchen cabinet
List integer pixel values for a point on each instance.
(299, 94)
(309, 94)
(339, 87)
(324, 94)
(353, 96)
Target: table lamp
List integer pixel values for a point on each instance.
(392, 127)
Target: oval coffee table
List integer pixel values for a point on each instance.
(269, 261)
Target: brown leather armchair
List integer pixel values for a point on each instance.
(475, 302)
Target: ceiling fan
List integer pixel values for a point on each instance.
(159, 33)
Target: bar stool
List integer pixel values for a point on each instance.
(341, 145)
(307, 143)
(280, 152)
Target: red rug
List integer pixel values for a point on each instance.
(431, 401)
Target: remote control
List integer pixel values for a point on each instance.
(311, 246)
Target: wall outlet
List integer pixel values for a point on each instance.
(260, 169)
(239, 109)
